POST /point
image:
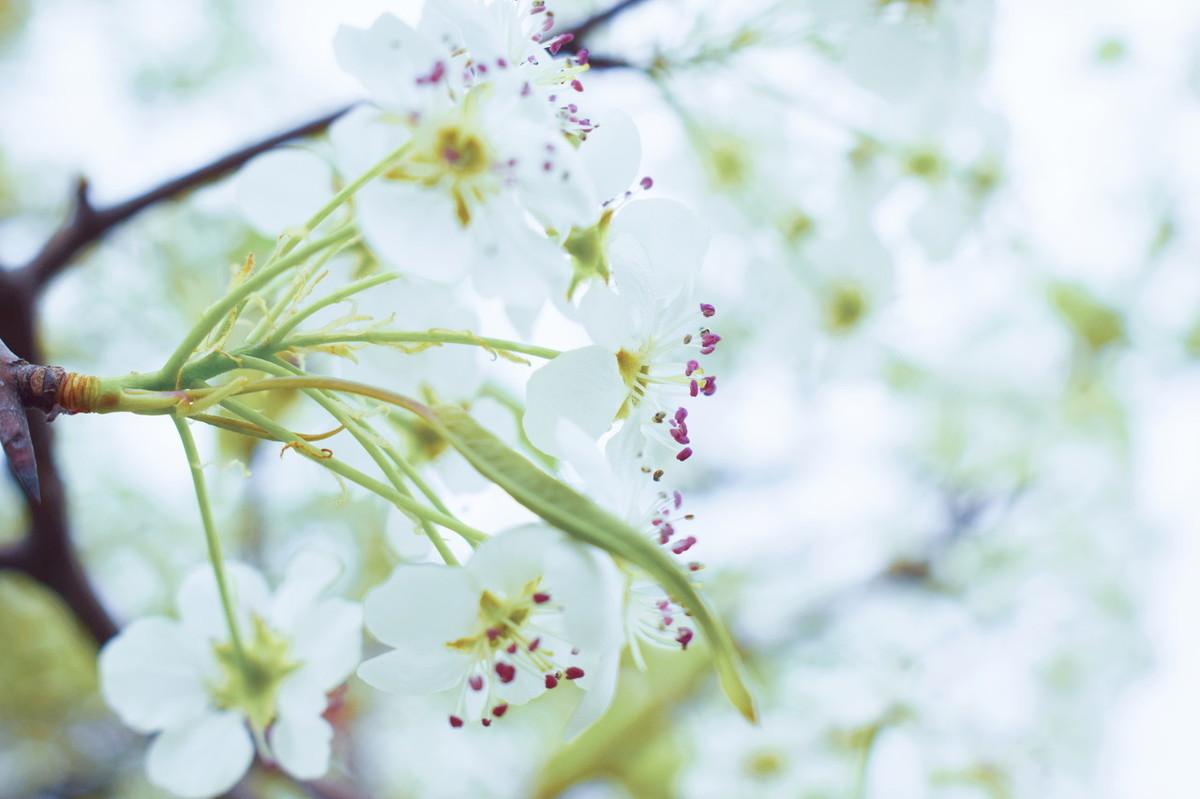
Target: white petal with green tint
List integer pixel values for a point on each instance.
(152, 675)
(202, 757)
(582, 386)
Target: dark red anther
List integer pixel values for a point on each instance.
(511, 649)
(681, 413)
(505, 671)
(551, 681)
(707, 309)
(455, 722)
(486, 722)
(534, 644)
(582, 56)
(541, 597)
(476, 682)
(685, 637)
(694, 389)
(573, 673)
(576, 85)
(680, 435)
(684, 545)
(493, 633)
(683, 454)
(647, 182)
(560, 42)
(710, 386)
(499, 710)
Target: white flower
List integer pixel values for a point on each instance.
(183, 679)
(659, 236)
(529, 611)
(619, 483)
(644, 365)
(489, 164)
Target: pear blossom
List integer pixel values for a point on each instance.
(645, 364)
(531, 611)
(488, 167)
(661, 233)
(211, 706)
(634, 492)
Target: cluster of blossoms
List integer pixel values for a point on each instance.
(480, 172)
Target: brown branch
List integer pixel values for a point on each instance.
(582, 29)
(87, 224)
(46, 554)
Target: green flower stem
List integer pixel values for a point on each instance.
(211, 538)
(412, 474)
(341, 294)
(348, 191)
(296, 292)
(402, 502)
(365, 437)
(150, 392)
(419, 337)
(170, 373)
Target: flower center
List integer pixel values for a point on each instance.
(845, 308)
(501, 620)
(462, 153)
(451, 152)
(589, 256)
(251, 684)
(509, 639)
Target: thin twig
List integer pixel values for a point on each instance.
(87, 224)
(582, 29)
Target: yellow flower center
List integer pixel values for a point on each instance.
(251, 684)
(845, 308)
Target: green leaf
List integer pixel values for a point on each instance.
(579, 517)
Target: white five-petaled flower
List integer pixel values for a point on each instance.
(489, 165)
(529, 612)
(645, 363)
(184, 680)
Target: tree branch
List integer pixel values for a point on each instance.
(584, 28)
(46, 554)
(597, 20)
(87, 224)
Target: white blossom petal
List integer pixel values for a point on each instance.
(387, 59)
(582, 386)
(612, 154)
(422, 606)
(283, 188)
(302, 745)
(671, 238)
(152, 675)
(202, 757)
(415, 230)
(308, 574)
(329, 642)
(199, 601)
(416, 670)
(507, 562)
(362, 138)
